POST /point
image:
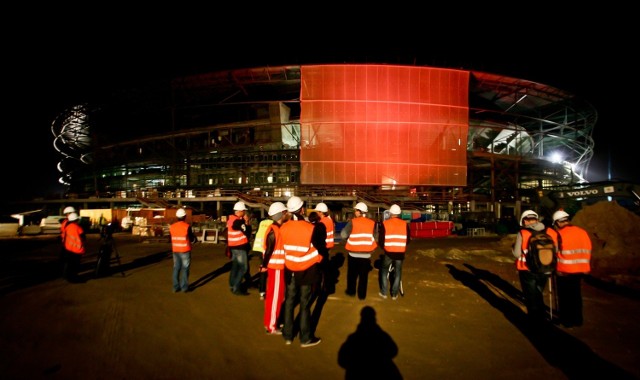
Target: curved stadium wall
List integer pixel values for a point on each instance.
(432, 136)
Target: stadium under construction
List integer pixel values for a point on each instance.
(438, 141)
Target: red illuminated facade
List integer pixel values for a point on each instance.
(383, 125)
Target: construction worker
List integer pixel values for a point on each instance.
(74, 244)
(395, 236)
(63, 222)
(532, 284)
(273, 268)
(574, 261)
(182, 239)
(329, 272)
(303, 244)
(249, 232)
(358, 233)
(238, 243)
(325, 218)
(258, 246)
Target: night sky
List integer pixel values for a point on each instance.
(69, 63)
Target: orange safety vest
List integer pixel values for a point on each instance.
(180, 237)
(361, 237)
(574, 255)
(73, 241)
(63, 224)
(277, 259)
(299, 252)
(235, 238)
(521, 262)
(328, 222)
(395, 235)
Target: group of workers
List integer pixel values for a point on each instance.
(296, 270)
(295, 264)
(573, 262)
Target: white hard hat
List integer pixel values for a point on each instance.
(68, 210)
(73, 216)
(276, 207)
(181, 213)
(559, 215)
(395, 209)
(362, 207)
(322, 207)
(294, 204)
(528, 214)
(240, 206)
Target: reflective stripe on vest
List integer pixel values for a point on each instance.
(276, 261)
(299, 253)
(235, 238)
(179, 232)
(575, 254)
(395, 238)
(73, 240)
(328, 222)
(361, 237)
(258, 241)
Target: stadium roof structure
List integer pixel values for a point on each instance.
(522, 135)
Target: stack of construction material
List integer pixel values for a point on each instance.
(431, 229)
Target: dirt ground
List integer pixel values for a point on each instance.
(461, 318)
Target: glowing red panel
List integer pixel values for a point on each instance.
(384, 125)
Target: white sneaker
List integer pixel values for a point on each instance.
(382, 295)
(311, 343)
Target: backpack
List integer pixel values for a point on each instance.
(541, 252)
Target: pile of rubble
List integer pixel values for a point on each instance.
(615, 234)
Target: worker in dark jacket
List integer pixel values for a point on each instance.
(302, 270)
(74, 245)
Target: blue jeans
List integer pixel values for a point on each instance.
(532, 285)
(239, 266)
(384, 276)
(181, 265)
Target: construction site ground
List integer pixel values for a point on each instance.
(461, 317)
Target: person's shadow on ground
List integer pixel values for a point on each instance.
(368, 353)
(559, 349)
(210, 276)
(140, 262)
(327, 288)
